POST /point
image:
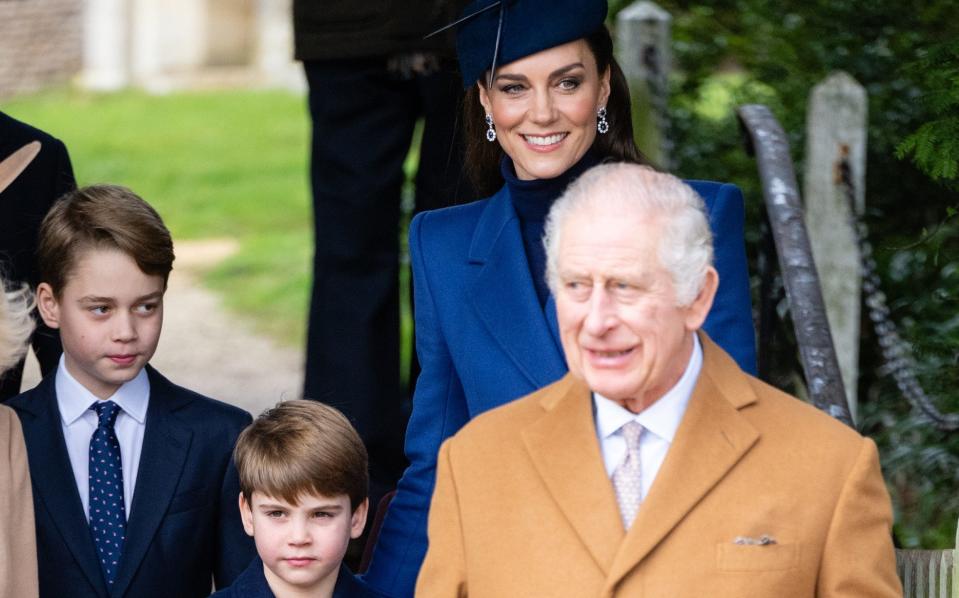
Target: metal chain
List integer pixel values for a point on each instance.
(896, 353)
(659, 101)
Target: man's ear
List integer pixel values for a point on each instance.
(697, 311)
(358, 521)
(246, 515)
(48, 305)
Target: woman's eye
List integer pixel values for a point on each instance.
(511, 89)
(569, 84)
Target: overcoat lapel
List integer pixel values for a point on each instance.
(56, 487)
(565, 452)
(505, 299)
(711, 439)
(165, 446)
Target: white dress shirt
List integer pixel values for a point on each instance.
(79, 422)
(660, 421)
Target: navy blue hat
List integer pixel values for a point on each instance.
(507, 30)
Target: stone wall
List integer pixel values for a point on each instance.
(40, 44)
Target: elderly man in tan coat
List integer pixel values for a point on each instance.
(656, 467)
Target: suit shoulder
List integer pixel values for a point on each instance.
(796, 418)
(708, 189)
(20, 132)
(202, 406)
(23, 401)
(502, 423)
(455, 223)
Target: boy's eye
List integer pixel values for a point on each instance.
(146, 308)
(274, 514)
(99, 310)
(322, 514)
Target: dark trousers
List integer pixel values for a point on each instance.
(363, 120)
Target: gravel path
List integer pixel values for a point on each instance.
(207, 349)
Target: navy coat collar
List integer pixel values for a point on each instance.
(252, 584)
(503, 285)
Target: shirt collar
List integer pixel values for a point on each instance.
(74, 399)
(662, 418)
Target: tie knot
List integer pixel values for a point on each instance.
(107, 412)
(631, 431)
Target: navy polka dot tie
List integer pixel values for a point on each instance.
(108, 519)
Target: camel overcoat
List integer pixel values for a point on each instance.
(523, 505)
(18, 540)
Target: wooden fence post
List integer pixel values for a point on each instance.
(642, 50)
(835, 180)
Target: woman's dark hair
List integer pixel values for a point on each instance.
(482, 157)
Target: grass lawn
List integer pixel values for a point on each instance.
(214, 164)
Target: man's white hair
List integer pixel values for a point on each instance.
(685, 239)
(16, 325)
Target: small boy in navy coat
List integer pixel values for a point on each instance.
(304, 484)
(133, 483)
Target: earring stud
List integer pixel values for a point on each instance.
(602, 125)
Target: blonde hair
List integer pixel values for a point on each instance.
(16, 325)
(302, 447)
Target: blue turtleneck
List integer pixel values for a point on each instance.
(532, 201)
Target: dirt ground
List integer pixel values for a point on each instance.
(214, 352)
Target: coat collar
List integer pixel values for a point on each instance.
(565, 452)
(57, 488)
(252, 584)
(504, 297)
(710, 441)
(166, 443)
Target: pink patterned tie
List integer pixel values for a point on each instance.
(627, 477)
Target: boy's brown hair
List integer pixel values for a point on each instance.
(98, 217)
(302, 447)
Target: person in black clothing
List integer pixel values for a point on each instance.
(371, 76)
(22, 207)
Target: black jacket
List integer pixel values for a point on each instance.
(340, 29)
(28, 198)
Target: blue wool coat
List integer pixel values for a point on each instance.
(483, 340)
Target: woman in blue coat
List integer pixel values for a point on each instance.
(546, 100)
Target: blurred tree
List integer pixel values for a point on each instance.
(907, 56)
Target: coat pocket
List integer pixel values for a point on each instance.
(770, 557)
